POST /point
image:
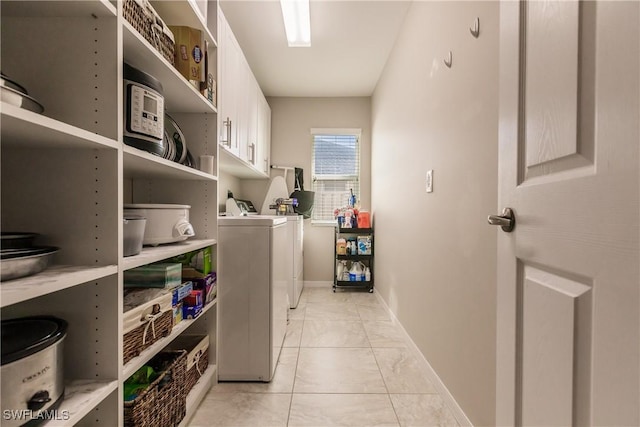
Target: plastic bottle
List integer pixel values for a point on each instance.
(355, 273)
(340, 270)
(367, 274)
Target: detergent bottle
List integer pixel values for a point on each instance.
(355, 274)
(340, 270)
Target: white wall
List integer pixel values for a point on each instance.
(227, 183)
(291, 122)
(435, 253)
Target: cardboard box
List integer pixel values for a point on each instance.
(191, 312)
(177, 313)
(189, 54)
(364, 245)
(163, 275)
(198, 261)
(208, 89)
(204, 283)
(181, 292)
(192, 305)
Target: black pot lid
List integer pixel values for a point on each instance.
(29, 335)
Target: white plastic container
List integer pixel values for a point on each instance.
(355, 274)
(133, 235)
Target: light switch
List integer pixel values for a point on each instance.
(430, 181)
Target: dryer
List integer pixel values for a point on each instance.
(295, 280)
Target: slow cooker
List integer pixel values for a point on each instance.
(32, 367)
(166, 223)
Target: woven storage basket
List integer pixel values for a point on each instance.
(195, 372)
(150, 322)
(197, 347)
(146, 21)
(163, 403)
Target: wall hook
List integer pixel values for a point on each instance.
(475, 30)
(448, 60)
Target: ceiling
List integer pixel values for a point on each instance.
(350, 43)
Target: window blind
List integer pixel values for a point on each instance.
(335, 172)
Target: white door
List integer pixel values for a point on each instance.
(568, 282)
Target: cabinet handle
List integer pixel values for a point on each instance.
(227, 125)
(251, 153)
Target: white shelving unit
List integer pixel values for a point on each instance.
(66, 174)
(134, 364)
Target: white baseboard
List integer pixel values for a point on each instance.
(451, 403)
(318, 284)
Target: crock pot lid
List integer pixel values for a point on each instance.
(155, 206)
(29, 335)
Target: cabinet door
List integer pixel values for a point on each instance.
(229, 86)
(242, 104)
(252, 121)
(264, 134)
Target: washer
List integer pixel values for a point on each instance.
(252, 296)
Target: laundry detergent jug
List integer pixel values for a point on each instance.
(356, 272)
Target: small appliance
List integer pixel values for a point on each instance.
(166, 223)
(239, 207)
(32, 366)
(144, 111)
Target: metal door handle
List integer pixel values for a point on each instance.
(507, 220)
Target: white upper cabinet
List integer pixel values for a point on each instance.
(242, 113)
(263, 134)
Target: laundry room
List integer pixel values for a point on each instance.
(320, 213)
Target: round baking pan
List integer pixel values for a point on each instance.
(16, 263)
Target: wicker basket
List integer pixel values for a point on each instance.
(145, 325)
(197, 347)
(146, 21)
(195, 372)
(163, 403)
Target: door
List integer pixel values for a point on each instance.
(568, 318)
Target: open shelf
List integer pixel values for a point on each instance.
(23, 128)
(179, 95)
(141, 164)
(182, 13)
(355, 230)
(53, 279)
(151, 254)
(136, 363)
(353, 257)
(81, 397)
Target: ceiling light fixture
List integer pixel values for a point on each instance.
(297, 22)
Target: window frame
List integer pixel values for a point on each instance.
(357, 132)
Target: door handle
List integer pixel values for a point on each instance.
(507, 220)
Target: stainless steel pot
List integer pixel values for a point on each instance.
(32, 367)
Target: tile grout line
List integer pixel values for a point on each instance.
(381, 375)
(295, 372)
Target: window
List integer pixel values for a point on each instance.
(335, 170)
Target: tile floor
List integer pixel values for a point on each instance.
(344, 363)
